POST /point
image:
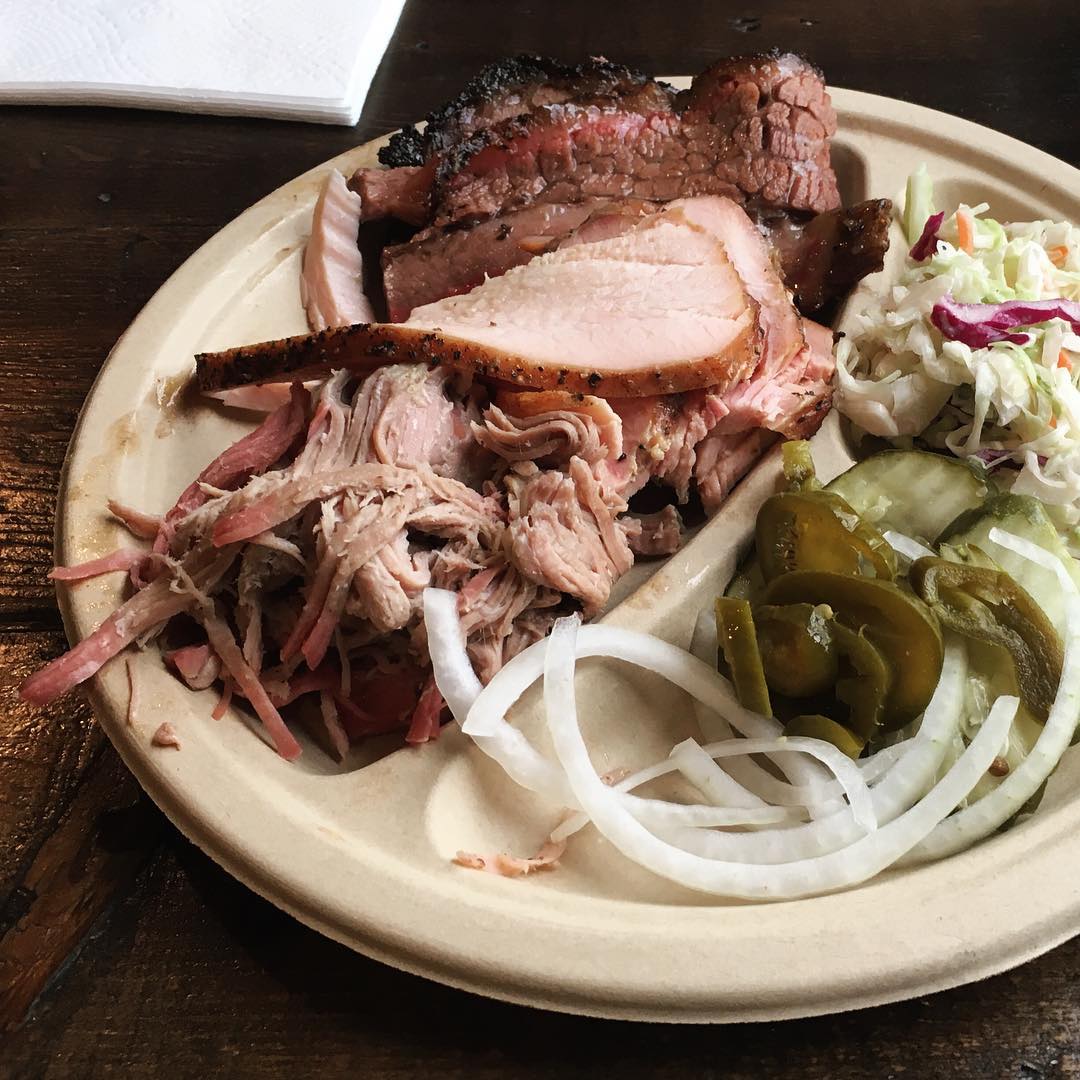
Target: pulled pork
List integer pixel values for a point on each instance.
(311, 541)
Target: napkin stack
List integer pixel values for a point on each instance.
(293, 59)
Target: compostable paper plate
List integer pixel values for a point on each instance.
(362, 851)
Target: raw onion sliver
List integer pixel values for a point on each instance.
(878, 764)
(746, 816)
(906, 546)
(719, 787)
(989, 813)
(838, 763)
(1033, 553)
(849, 866)
(689, 756)
(454, 675)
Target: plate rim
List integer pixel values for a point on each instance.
(1055, 925)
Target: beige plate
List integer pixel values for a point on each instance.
(362, 852)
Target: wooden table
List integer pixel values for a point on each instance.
(125, 951)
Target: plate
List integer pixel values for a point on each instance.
(361, 852)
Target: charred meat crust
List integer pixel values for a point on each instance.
(823, 257)
(506, 88)
(364, 347)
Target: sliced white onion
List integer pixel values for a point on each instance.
(878, 764)
(461, 689)
(906, 546)
(454, 675)
(719, 787)
(849, 866)
(1033, 553)
(989, 813)
(839, 764)
(909, 779)
(659, 814)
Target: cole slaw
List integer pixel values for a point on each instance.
(1014, 403)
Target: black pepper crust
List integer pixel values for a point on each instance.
(366, 346)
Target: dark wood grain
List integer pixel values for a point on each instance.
(185, 973)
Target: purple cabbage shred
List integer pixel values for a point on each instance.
(926, 245)
(979, 325)
(990, 458)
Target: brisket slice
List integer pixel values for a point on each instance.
(502, 91)
(403, 193)
(748, 127)
(513, 87)
(768, 119)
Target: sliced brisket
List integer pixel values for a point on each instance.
(513, 87)
(754, 127)
(765, 123)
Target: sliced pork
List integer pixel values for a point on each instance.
(779, 323)
(331, 281)
(659, 309)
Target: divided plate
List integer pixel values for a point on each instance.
(362, 851)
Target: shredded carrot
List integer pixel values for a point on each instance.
(1058, 255)
(1053, 421)
(965, 233)
(1064, 361)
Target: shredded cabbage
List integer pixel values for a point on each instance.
(1012, 402)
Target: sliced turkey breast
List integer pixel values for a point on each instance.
(658, 309)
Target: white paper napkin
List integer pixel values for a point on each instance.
(296, 59)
